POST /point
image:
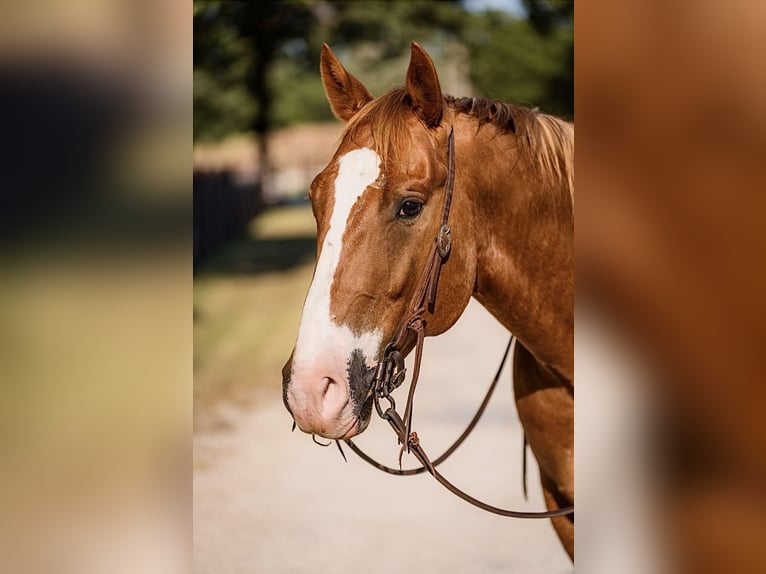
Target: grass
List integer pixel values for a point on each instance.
(284, 222)
(245, 323)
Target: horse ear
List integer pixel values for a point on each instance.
(346, 94)
(423, 87)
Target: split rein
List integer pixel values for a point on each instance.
(390, 371)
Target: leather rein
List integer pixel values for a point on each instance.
(390, 371)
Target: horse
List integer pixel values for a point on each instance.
(377, 207)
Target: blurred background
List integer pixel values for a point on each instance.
(99, 257)
(268, 501)
(95, 286)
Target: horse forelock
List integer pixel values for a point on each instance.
(384, 119)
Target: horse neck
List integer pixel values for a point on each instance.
(525, 246)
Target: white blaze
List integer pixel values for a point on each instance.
(319, 337)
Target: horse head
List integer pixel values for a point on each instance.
(377, 206)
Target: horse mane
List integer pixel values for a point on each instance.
(545, 140)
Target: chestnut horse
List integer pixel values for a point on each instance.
(378, 206)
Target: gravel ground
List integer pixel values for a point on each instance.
(268, 501)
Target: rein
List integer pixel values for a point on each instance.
(390, 371)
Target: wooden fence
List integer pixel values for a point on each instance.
(222, 211)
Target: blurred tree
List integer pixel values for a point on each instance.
(546, 15)
(268, 26)
(549, 18)
(511, 61)
(372, 38)
(255, 63)
(222, 103)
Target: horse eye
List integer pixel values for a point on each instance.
(410, 208)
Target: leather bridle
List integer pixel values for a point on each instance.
(390, 370)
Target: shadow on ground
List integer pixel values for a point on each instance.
(228, 239)
(248, 256)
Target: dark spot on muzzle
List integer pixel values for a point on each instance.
(360, 378)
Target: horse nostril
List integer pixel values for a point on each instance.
(318, 402)
(334, 398)
(327, 382)
(332, 391)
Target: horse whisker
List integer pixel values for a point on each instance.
(294, 424)
(340, 448)
(314, 438)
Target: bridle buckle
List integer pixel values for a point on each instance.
(389, 373)
(444, 240)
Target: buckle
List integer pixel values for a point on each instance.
(444, 240)
(389, 373)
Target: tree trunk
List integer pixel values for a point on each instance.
(258, 80)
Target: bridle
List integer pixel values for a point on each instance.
(390, 370)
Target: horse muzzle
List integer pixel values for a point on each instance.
(326, 402)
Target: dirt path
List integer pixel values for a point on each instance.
(267, 501)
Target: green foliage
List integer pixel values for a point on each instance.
(256, 64)
(301, 96)
(222, 102)
(372, 38)
(510, 61)
(546, 15)
(220, 109)
(391, 25)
